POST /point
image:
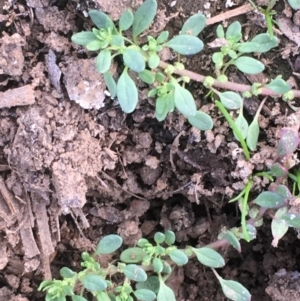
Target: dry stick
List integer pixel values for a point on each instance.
(230, 14)
(226, 86)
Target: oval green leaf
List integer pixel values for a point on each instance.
(242, 125)
(247, 47)
(144, 294)
(252, 134)
(143, 17)
(135, 273)
(126, 20)
(234, 290)
(133, 255)
(161, 108)
(288, 142)
(291, 219)
(78, 298)
(278, 85)
(249, 65)
(201, 121)
(231, 100)
(67, 273)
(270, 199)
(209, 257)
(103, 61)
(157, 265)
(193, 25)
(109, 244)
(110, 83)
(147, 76)
(127, 93)
(103, 296)
(265, 42)
(184, 101)
(186, 45)
(134, 59)
(279, 227)
(162, 37)
(165, 293)
(179, 257)
(232, 239)
(83, 38)
(234, 31)
(94, 45)
(152, 283)
(159, 237)
(170, 237)
(153, 60)
(93, 283)
(100, 19)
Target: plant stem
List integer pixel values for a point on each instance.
(226, 86)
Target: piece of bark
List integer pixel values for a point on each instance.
(22, 96)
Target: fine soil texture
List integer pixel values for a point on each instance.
(74, 167)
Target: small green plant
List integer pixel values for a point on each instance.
(145, 270)
(169, 81)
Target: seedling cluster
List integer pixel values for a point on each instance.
(146, 267)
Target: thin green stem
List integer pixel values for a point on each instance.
(234, 128)
(244, 210)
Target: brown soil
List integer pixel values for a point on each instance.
(74, 167)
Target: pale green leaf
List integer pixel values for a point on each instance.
(78, 298)
(170, 237)
(103, 61)
(134, 59)
(265, 42)
(269, 199)
(135, 273)
(147, 76)
(185, 44)
(279, 227)
(153, 60)
(126, 20)
(67, 273)
(209, 257)
(278, 85)
(162, 37)
(234, 31)
(252, 135)
(184, 101)
(145, 295)
(179, 257)
(242, 125)
(232, 239)
(231, 100)
(165, 293)
(201, 121)
(110, 83)
(234, 290)
(100, 19)
(133, 255)
(152, 283)
(158, 265)
(127, 92)
(247, 47)
(94, 45)
(193, 25)
(109, 244)
(94, 282)
(143, 17)
(249, 65)
(291, 219)
(295, 4)
(83, 38)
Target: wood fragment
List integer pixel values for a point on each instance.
(22, 96)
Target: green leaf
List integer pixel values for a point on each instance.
(78, 298)
(94, 45)
(247, 47)
(252, 135)
(83, 38)
(67, 273)
(134, 59)
(277, 170)
(209, 257)
(158, 265)
(161, 108)
(135, 273)
(162, 37)
(283, 191)
(270, 199)
(232, 239)
(152, 283)
(170, 237)
(179, 257)
(167, 268)
(144, 295)
(110, 83)
(133, 255)
(93, 283)
(109, 244)
(103, 61)
(153, 60)
(249, 65)
(193, 25)
(220, 32)
(231, 100)
(126, 20)
(278, 226)
(242, 125)
(127, 93)
(184, 101)
(103, 296)
(159, 237)
(217, 58)
(117, 41)
(234, 31)
(291, 219)
(165, 293)
(278, 85)
(234, 290)
(201, 121)
(143, 17)
(265, 42)
(186, 45)
(100, 19)
(288, 142)
(295, 4)
(147, 76)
